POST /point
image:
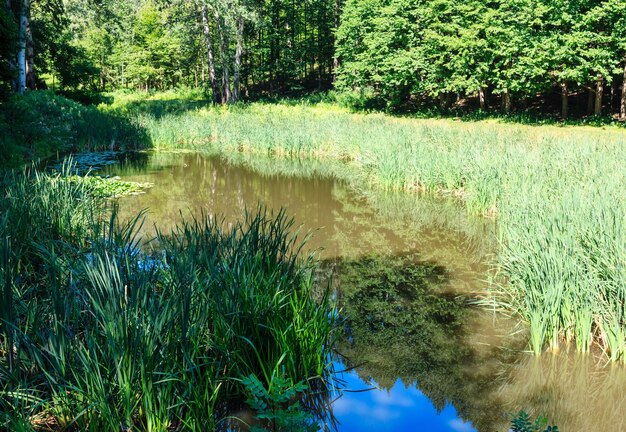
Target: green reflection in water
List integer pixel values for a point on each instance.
(401, 324)
(404, 268)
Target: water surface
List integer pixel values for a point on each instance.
(405, 270)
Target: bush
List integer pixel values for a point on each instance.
(364, 99)
(40, 124)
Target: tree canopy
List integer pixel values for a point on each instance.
(554, 55)
(524, 50)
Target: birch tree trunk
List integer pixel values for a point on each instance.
(238, 54)
(622, 107)
(211, 60)
(599, 93)
(21, 53)
(337, 16)
(223, 37)
(31, 79)
(564, 101)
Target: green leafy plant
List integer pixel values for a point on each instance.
(277, 407)
(523, 423)
(96, 335)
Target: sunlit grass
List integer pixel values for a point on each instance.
(557, 193)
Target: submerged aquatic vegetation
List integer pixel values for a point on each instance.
(97, 335)
(107, 187)
(557, 193)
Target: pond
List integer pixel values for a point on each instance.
(414, 352)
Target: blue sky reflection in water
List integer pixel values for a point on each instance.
(401, 408)
(401, 265)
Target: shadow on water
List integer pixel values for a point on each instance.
(402, 269)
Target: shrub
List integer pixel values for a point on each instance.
(40, 124)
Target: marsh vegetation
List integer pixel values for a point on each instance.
(555, 192)
(448, 159)
(406, 271)
(555, 245)
(99, 335)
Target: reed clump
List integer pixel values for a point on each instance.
(96, 334)
(557, 194)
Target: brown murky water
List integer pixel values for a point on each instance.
(405, 270)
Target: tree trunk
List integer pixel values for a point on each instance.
(337, 15)
(622, 108)
(226, 95)
(444, 101)
(482, 98)
(209, 46)
(11, 61)
(599, 93)
(564, 101)
(506, 101)
(31, 78)
(612, 98)
(21, 54)
(238, 54)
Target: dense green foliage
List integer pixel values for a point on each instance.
(406, 52)
(537, 55)
(230, 48)
(97, 335)
(8, 44)
(274, 405)
(41, 124)
(523, 423)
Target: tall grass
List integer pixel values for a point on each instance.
(95, 334)
(557, 193)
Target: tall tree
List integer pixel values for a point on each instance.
(238, 55)
(210, 57)
(21, 54)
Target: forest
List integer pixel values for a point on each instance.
(553, 56)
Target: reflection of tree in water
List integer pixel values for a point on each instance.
(397, 326)
(438, 231)
(390, 251)
(400, 321)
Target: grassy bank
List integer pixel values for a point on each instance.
(557, 192)
(97, 335)
(41, 124)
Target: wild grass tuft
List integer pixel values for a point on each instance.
(97, 335)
